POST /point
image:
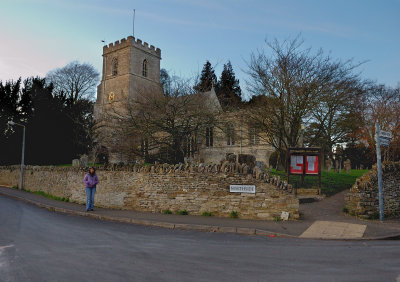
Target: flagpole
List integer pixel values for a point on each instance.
(133, 24)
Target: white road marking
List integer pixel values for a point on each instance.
(5, 247)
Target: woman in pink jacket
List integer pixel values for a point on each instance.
(91, 181)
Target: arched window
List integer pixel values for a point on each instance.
(144, 71)
(230, 135)
(253, 136)
(115, 66)
(209, 136)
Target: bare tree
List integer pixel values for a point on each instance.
(160, 127)
(379, 104)
(75, 80)
(332, 119)
(295, 83)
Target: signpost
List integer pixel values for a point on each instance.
(382, 138)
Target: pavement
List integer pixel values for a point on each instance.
(319, 220)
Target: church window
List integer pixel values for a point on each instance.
(253, 136)
(209, 136)
(115, 66)
(144, 71)
(189, 147)
(230, 135)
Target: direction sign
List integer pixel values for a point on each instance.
(385, 134)
(384, 141)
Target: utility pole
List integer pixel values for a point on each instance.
(21, 180)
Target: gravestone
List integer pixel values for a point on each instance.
(337, 164)
(347, 166)
(250, 160)
(328, 164)
(260, 165)
(84, 160)
(76, 163)
(231, 158)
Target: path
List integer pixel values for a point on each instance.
(328, 221)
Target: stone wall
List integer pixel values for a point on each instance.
(362, 200)
(196, 189)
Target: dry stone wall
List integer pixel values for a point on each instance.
(197, 189)
(362, 199)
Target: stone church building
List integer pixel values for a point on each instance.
(130, 66)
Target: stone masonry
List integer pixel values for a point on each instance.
(197, 189)
(362, 200)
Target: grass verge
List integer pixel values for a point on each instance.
(44, 194)
(331, 182)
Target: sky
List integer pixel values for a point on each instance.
(40, 35)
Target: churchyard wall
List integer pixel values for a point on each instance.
(155, 188)
(362, 199)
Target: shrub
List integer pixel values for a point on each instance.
(375, 215)
(167, 211)
(207, 214)
(182, 212)
(345, 210)
(234, 214)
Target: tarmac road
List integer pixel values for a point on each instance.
(38, 245)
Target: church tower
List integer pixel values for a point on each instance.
(129, 68)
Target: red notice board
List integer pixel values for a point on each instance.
(296, 164)
(304, 162)
(311, 164)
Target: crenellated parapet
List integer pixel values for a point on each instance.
(131, 41)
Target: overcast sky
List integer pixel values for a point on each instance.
(40, 35)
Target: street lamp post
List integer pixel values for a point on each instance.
(21, 181)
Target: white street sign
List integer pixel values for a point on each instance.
(384, 142)
(385, 134)
(242, 189)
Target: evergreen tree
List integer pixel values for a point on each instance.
(58, 129)
(10, 140)
(207, 78)
(48, 130)
(228, 89)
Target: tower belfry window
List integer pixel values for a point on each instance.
(144, 71)
(115, 66)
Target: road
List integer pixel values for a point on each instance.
(38, 245)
